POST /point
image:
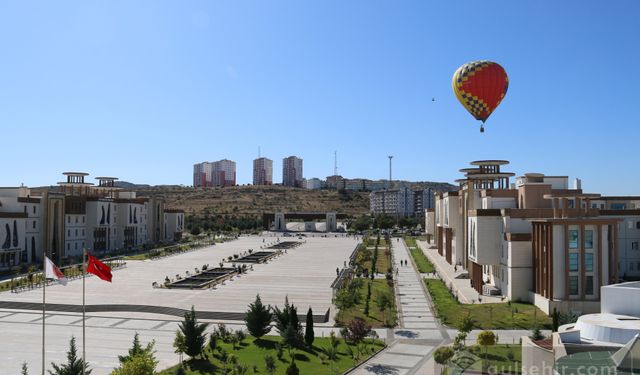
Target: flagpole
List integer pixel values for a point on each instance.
(44, 287)
(84, 274)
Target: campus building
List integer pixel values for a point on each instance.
(292, 173)
(536, 240)
(263, 171)
(62, 221)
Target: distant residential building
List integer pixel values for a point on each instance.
(224, 173)
(263, 171)
(292, 174)
(202, 174)
(217, 173)
(422, 200)
(334, 182)
(313, 184)
(396, 202)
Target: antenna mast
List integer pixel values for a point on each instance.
(335, 163)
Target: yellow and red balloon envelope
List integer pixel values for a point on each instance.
(480, 86)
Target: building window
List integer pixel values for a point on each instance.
(588, 262)
(76, 233)
(68, 246)
(573, 285)
(634, 245)
(34, 224)
(75, 246)
(618, 206)
(83, 219)
(76, 220)
(588, 239)
(34, 210)
(631, 266)
(637, 224)
(573, 262)
(588, 288)
(68, 219)
(68, 232)
(571, 203)
(573, 239)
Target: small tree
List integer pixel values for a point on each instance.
(309, 335)
(258, 318)
(292, 369)
(25, 369)
(179, 345)
(74, 364)
(383, 302)
(536, 334)
(357, 330)
(136, 349)
(556, 320)
(213, 341)
(193, 333)
(270, 364)
(143, 363)
(288, 324)
(486, 339)
(442, 355)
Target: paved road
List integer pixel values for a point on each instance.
(418, 334)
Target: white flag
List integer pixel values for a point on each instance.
(53, 272)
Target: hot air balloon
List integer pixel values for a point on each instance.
(480, 86)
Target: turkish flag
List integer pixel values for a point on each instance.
(98, 268)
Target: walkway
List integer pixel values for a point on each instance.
(449, 274)
(418, 333)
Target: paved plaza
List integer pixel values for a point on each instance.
(304, 274)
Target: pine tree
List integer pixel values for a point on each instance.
(73, 365)
(309, 335)
(136, 349)
(258, 318)
(25, 369)
(293, 369)
(193, 332)
(282, 316)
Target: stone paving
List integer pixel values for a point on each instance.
(418, 332)
(304, 274)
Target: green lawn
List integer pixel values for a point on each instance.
(497, 357)
(410, 241)
(382, 263)
(375, 317)
(424, 265)
(137, 257)
(252, 353)
(486, 316)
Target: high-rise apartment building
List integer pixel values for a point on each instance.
(263, 171)
(224, 173)
(217, 173)
(202, 174)
(292, 172)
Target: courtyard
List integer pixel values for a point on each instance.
(303, 274)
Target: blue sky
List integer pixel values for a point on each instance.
(144, 89)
